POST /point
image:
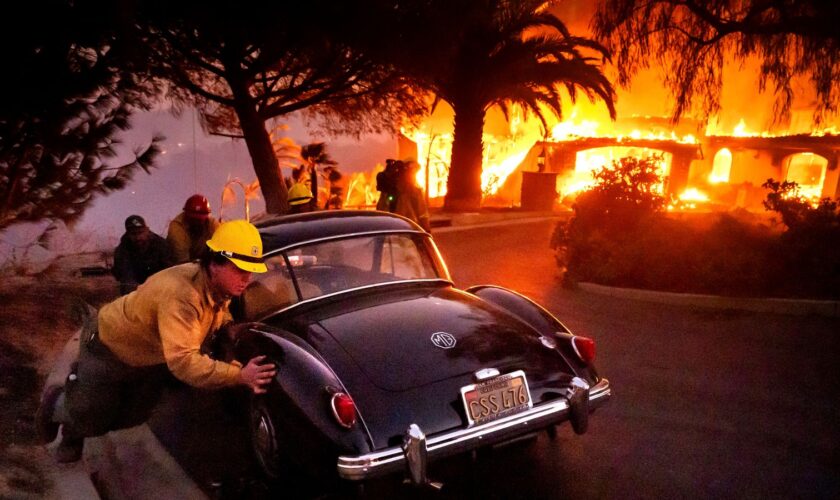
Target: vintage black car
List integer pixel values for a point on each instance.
(384, 366)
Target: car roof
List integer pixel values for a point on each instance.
(286, 230)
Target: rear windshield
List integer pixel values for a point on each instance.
(318, 269)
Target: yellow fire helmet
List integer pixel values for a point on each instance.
(299, 194)
(240, 242)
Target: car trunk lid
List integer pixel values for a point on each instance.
(416, 339)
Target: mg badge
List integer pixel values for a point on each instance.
(443, 340)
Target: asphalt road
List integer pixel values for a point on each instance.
(707, 404)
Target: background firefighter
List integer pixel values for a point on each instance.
(140, 254)
(410, 201)
(189, 231)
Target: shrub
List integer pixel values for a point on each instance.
(620, 236)
(606, 217)
(808, 248)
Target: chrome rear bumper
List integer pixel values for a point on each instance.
(576, 407)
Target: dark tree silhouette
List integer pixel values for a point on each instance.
(69, 87)
(693, 38)
(476, 54)
(246, 64)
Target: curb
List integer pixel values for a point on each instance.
(796, 307)
(128, 464)
(462, 222)
(70, 481)
(131, 464)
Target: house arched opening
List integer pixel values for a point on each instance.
(721, 167)
(808, 171)
(588, 161)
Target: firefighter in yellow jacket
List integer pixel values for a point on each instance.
(189, 231)
(153, 333)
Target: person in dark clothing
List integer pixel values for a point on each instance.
(140, 254)
(400, 193)
(387, 183)
(411, 201)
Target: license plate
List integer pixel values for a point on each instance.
(495, 398)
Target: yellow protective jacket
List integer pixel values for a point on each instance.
(165, 321)
(186, 248)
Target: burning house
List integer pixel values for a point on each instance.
(715, 170)
(717, 163)
(720, 171)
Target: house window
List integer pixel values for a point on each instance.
(808, 171)
(721, 167)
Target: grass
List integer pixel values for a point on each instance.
(36, 320)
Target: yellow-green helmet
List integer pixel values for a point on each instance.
(240, 242)
(299, 194)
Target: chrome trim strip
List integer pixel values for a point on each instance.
(341, 237)
(440, 259)
(577, 351)
(393, 459)
(375, 285)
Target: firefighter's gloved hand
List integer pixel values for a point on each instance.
(257, 374)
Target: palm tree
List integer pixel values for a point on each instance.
(500, 53)
(315, 154)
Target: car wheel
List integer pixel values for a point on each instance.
(271, 449)
(266, 443)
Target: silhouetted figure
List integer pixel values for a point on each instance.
(386, 184)
(336, 190)
(411, 201)
(400, 193)
(140, 254)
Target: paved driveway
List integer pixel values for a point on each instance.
(707, 403)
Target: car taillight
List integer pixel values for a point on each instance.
(344, 409)
(584, 347)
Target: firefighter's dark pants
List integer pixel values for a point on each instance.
(108, 394)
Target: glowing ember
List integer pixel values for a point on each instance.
(688, 200)
(741, 130)
(566, 186)
(826, 131)
(693, 195)
(571, 129)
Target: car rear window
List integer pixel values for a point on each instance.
(338, 265)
